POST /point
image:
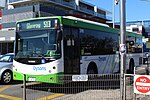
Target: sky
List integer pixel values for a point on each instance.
(136, 10)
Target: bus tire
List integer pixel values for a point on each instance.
(131, 67)
(92, 69)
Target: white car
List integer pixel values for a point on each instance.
(6, 61)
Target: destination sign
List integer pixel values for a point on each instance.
(38, 24)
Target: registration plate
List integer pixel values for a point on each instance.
(31, 79)
(80, 78)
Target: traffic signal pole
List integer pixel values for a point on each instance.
(122, 48)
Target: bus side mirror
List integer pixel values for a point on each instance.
(131, 43)
(59, 35)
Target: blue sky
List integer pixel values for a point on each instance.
(136, 10)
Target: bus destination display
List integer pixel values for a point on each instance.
(37, 24)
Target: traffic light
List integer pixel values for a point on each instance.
(116, 2)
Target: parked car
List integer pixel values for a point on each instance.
(6, 61)
(1, 55)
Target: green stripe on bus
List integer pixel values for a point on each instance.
(50, 78)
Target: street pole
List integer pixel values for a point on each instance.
(122, 47)
(113, 12)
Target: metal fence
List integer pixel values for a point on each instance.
(129, 89)
(97, 87)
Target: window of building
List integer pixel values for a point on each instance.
(6, 47)
(135, 29)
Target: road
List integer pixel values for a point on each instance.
(74, 90)
(141, 70)
(35, 91)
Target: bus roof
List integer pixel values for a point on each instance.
(78, 22)
(84, 20)
(134, 34)
(83, 23)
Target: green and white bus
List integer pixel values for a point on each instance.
(49, 47)
(134, 47)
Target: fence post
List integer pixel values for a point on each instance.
(24, 87)
(134, 94)
(124, 86)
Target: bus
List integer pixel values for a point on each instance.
(49, 47)
(134, 47)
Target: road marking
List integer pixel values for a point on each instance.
(50, 97)
(10, 97)
(4, 88)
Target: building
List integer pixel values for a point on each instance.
(134, 28)
(21, 9)
(6, 45)
(145, 27)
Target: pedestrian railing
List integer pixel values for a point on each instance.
(83, 87)
(91, 87)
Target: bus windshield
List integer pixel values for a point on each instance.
(37, 43)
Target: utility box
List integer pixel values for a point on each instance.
(2, 3)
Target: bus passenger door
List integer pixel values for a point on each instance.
(71, 51)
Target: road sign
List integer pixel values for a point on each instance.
(142, 84)
(122, 49)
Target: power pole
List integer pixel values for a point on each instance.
(122, 47)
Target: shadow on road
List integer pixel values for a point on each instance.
(12, 83)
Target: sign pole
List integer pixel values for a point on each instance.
(113, 12)
(122, 47)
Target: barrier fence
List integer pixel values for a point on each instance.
(129, 89)
(97, 87)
